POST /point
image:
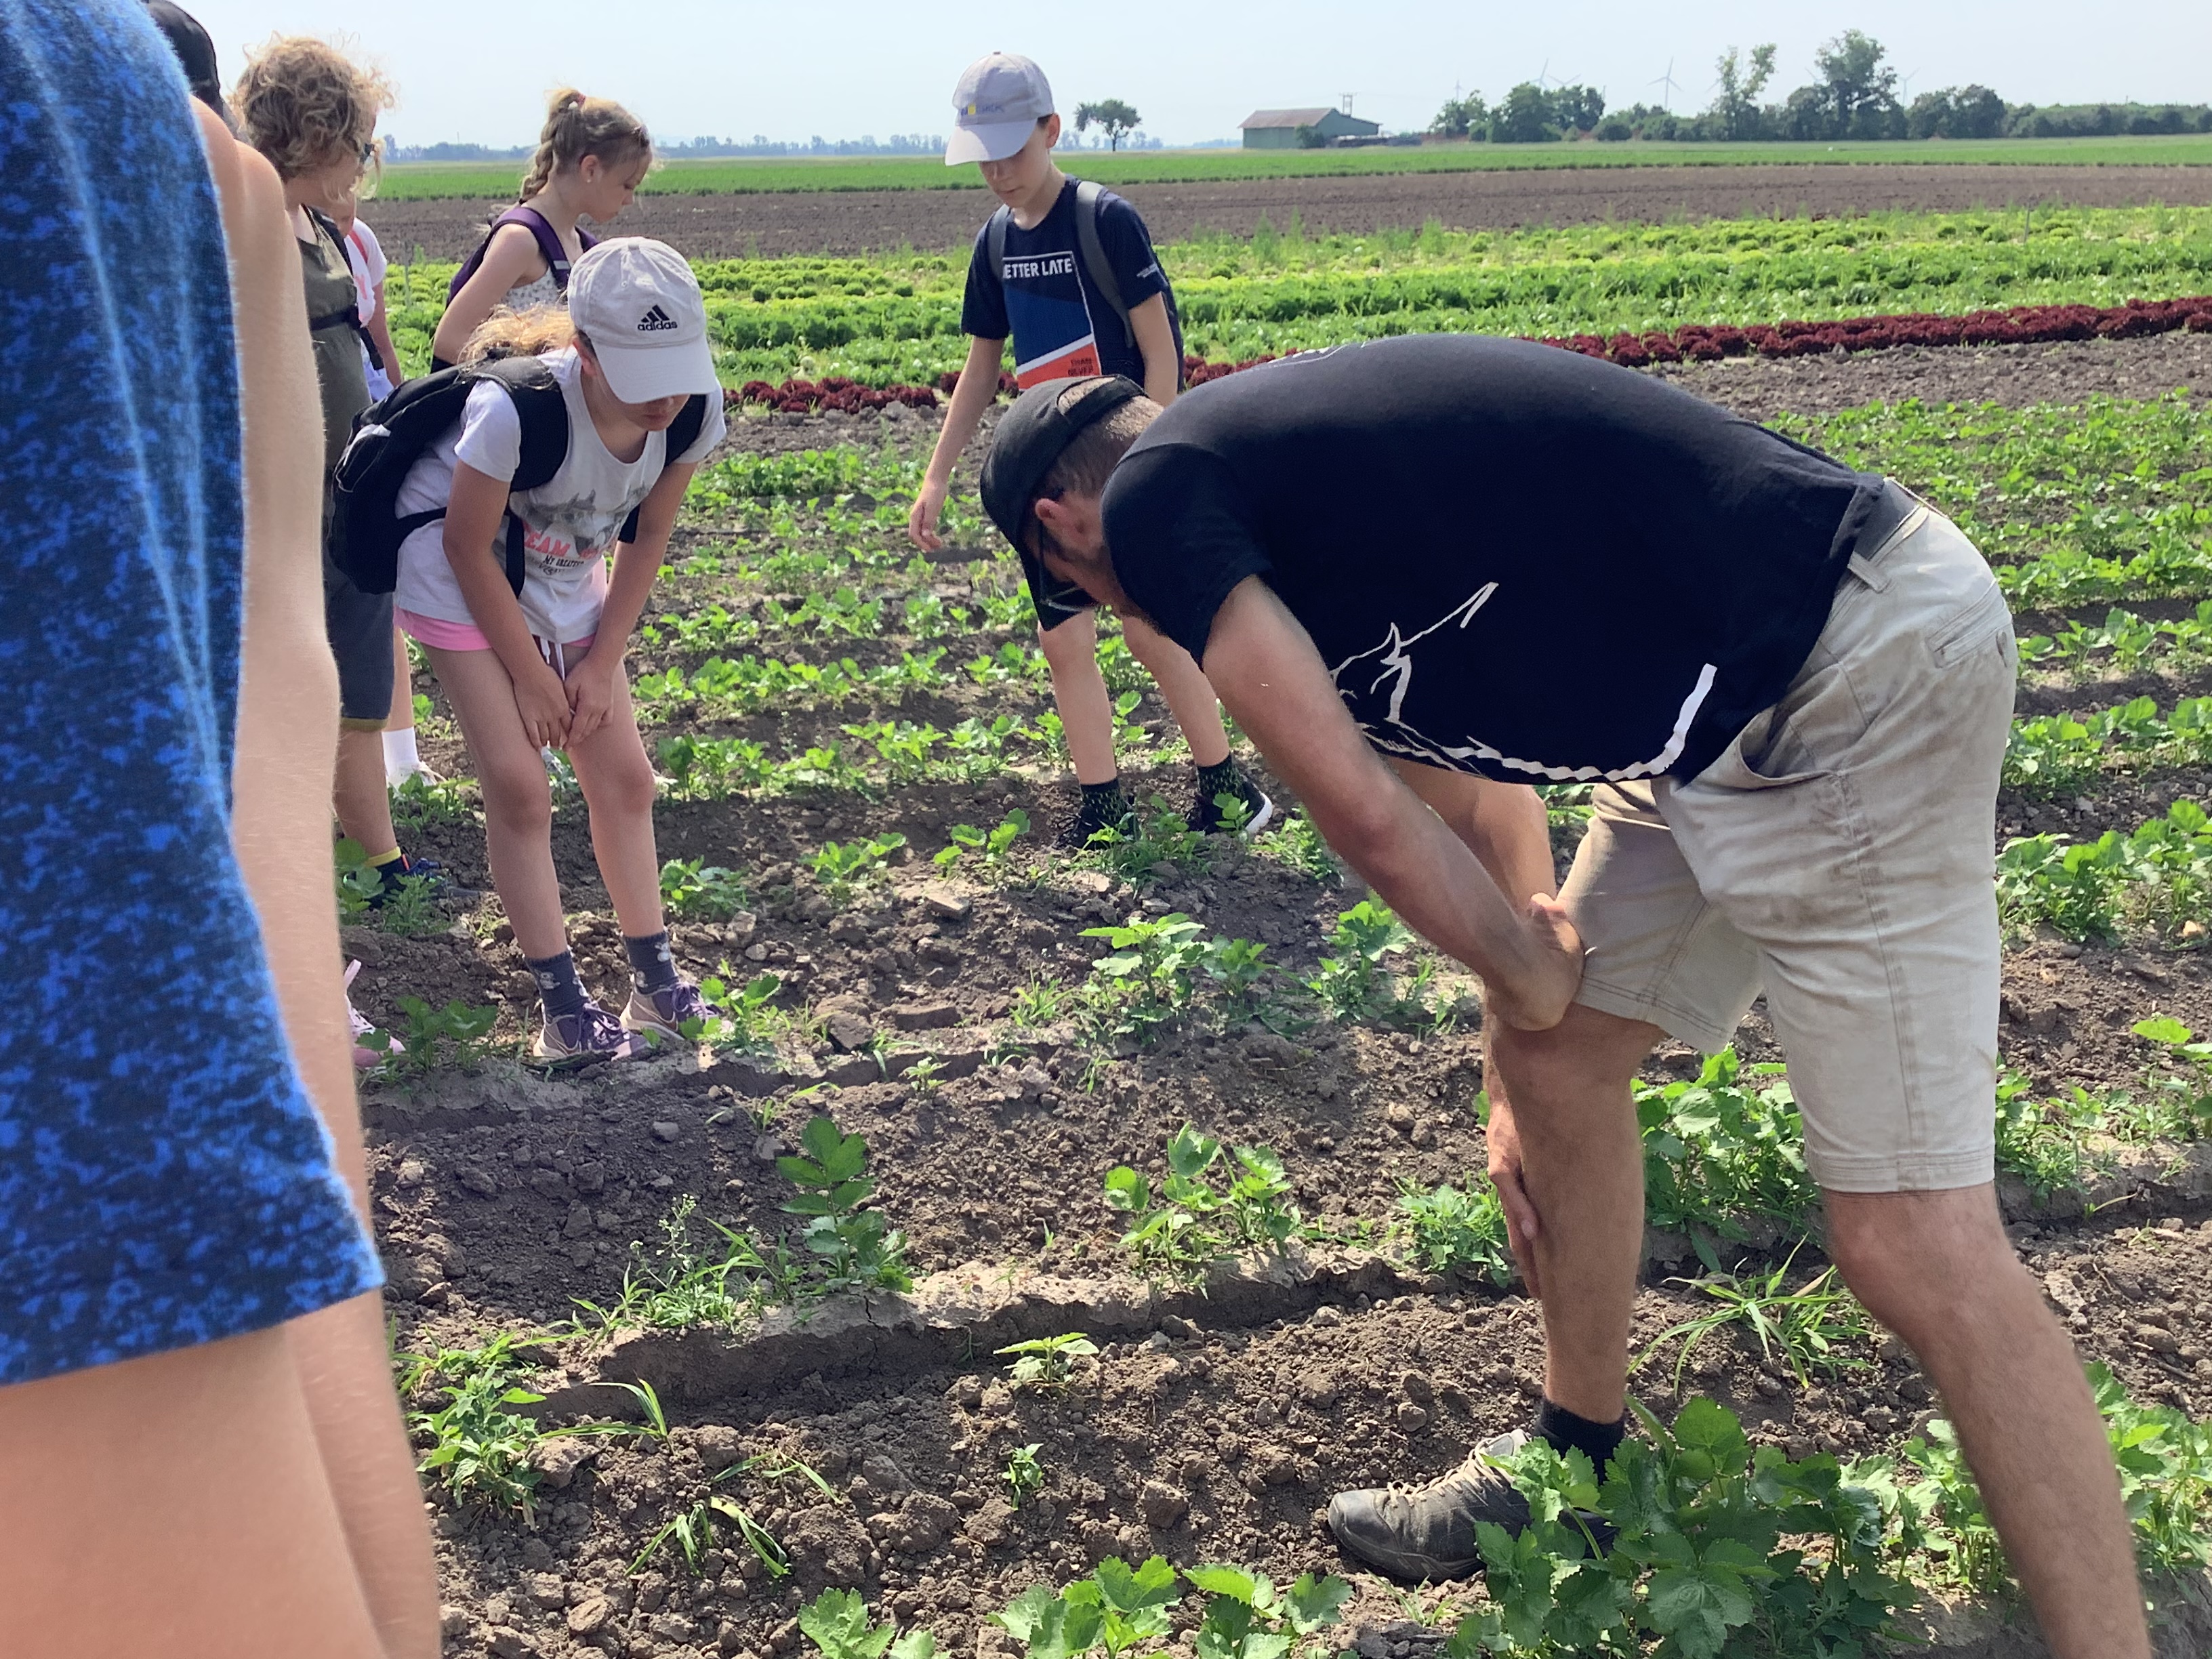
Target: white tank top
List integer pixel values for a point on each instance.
(530, 296)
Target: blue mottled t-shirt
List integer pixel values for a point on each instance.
(164, 1179)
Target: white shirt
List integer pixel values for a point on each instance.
(569, 523)
(365, 255)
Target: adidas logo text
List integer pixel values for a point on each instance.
(656, 321)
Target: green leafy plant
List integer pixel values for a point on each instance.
(1352, 982)
(1043, 1001)
(1235, 967)
(1024, 1475)
(1152, 841)
(679, 1285)
(1115, 1609)
(1247, 1617)
(1456, 1229)
(745, 1016)
(1145, 982)
(1720, 1155)
(1042, 1361)
(360, 883)
(419, 803)
(837, 1622)
(988, 848)
(473, 1447)
(455, 1034)
(1195, 1223)
(842, 870)
(692, 889)
(857, 1248)
(1298, 844)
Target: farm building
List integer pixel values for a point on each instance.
(1277, 128)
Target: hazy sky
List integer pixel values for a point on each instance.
(477, 70)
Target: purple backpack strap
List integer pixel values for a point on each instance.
(541, 232)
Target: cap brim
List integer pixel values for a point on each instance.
(644, 375)
(995, 143)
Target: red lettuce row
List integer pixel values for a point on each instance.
(1694, 342)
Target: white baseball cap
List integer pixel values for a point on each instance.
(997, 104)
(638, 302)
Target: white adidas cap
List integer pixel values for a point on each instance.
(639, 303)
(997, 104)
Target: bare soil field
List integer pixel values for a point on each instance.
(863, 221)
(1213, 1425)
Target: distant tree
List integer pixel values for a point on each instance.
(1311, 138)
(1463, 117)
(1956, 112)
(1524, 118)
(1112, 116)
(1613, 130)
(1576, 109)
(1860, 94)
(1735, 111)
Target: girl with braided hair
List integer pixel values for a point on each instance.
(590, 158)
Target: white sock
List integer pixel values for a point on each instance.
(401, 763)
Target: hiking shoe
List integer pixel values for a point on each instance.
(366, 1058)
(1104, 807)
(1427, 1532)
(586, 1037)
(1230, 779)
(662, 1012)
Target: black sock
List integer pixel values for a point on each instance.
(558, 987)
(1105, 797)
(651, 963)
(1223, 777)
(1568, 1433)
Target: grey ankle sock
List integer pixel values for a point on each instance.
(651, 963)
(558, 987)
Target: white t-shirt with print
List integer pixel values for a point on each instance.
(365, 255)
(569, 523)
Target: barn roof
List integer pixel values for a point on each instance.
(1285, 118)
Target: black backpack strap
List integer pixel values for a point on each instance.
(543, 412)
(351, 316)
(994, 244)
(683, 432)
(1087, 192)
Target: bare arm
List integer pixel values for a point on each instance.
(379, 330)
(512, 258)
(258, 1492)
(978, 385)
(473, 513)
(591, 682)
(1270, 677)
(1156, 340)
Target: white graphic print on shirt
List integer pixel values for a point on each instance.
(1387, 729)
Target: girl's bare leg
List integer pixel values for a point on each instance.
(403, 686)
(518, 805)
(619, 787)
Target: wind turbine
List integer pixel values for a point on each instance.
(1667, 81)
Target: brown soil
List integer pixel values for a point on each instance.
(1207, 1429)
(862, 221)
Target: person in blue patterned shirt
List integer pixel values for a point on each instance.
(205, 1455)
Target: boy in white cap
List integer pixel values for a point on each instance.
(1067, 271)
(534, 657)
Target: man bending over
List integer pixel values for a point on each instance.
(1425, 571)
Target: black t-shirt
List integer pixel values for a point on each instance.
(1045, 300)
(1514, 560)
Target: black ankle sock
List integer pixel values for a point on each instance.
(1223, 777)
(1568, 1433)
(651, 963)
(558, 987)
(1096, 792)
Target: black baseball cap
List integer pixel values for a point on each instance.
(194, 50)
(1030, 436)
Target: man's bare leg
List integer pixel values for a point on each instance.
(1937, 1269)
(1567, 1159)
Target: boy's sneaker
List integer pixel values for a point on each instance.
(1232, 779)
(586, 1037)
(442, 886)
(1417, 1533)
(663, 1012)
(366, 1058)
(1105, 806)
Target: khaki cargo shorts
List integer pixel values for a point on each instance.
(1838, 856)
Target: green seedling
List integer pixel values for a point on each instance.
(410, 908)
(1456, 1229)
(474, 1447)
(1115, 1609)
(359, 882)
(694, 889)
(2181, 1103)
(842, 870)
(1807, 1328)
(743, 1018)
(1195, 1223)
(419, 804)
(857, 1249)
(1719, 1155)
(1043, 1001)
(836, 1623)
(1235, 967)
(1146, 982)
(988, 850)
(1352, 983)
(1247, 1617)
(1042, 1361)
(1299, 845)
(1152, 841)
(1024, 1475)
(455, 1034)
(680, 1286)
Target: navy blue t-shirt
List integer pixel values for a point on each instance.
(1045, 300)
(165, 1179)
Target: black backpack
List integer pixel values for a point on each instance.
(1092, 251)
(389, 437)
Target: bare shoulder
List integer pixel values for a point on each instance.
(512, 256)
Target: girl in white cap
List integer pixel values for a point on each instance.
(543, 665)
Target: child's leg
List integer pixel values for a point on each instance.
(1086, 716)
(618, 787)
(518, 805)
(1189, 695)
(361, 798)
(402, 759)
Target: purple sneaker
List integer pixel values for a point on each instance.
(662, 1013)
(589, 1035)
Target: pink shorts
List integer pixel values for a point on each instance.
(467, 636)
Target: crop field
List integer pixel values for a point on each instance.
(408, 181)
(1036, 1236)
